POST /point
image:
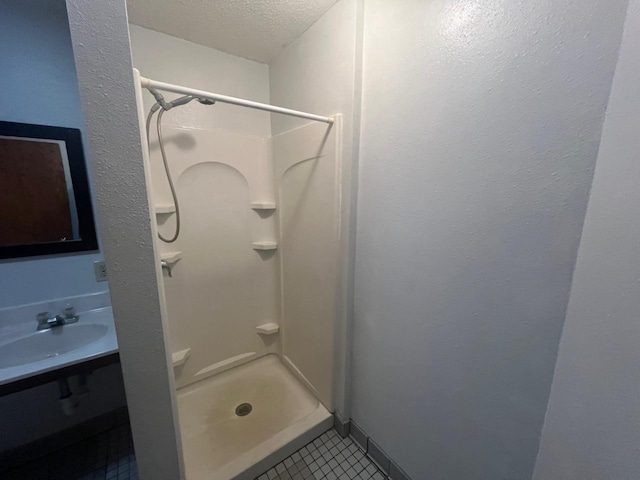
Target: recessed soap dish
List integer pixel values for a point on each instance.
(268, 329)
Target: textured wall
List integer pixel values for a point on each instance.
(258, 29)
(100, 37)
(592, 427)
(38, 85)
(480, 129)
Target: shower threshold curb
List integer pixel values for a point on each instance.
(316, 424)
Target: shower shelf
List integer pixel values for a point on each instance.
(268, 329)
(165, 209)
(263, 205)
(171, 257)
(264, 245)
(180, 357)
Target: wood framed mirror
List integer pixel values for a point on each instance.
(45, 201)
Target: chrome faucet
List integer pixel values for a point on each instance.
(46, 320)
(165, 266)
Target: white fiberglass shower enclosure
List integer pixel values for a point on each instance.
(251, 284)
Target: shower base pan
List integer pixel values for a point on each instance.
(239, 423)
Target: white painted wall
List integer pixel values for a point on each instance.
(258, 30)
(38, 85)
(480, 129)
(319, 73)
(100, 38)
(316, 72)
(173, 60)
(592, 426)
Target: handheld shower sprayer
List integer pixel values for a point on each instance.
(162, 105)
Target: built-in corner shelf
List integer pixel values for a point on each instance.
(268, 329)
(180, 357)
(265, 246)
(165, 209)
(263, 205)
(171, 257)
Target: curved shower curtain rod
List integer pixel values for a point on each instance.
(168, 87)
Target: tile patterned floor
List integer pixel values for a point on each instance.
(108, 456)
(328, 457)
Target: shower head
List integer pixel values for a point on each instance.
(162, 103)
(180, 101)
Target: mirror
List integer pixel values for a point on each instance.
(45, 204)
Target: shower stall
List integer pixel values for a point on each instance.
(249, 237)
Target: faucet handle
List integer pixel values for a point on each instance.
(166, 266)
(46, 320)
(70, 315)
(43, 318)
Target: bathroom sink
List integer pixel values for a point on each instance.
(27, 352)
(44, 344)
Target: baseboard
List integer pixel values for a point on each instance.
(343, 427)
(29, 452)
(376, 454)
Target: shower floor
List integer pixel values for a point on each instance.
(218, 444)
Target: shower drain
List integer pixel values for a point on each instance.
(244, 409)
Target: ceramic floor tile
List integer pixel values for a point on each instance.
(108, 456)
(328, 457)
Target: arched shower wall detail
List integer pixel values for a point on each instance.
(249, 155)
(303, 167)
(222, 290)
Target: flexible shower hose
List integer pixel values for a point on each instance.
(166, 169)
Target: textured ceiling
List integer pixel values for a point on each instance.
(254, 29)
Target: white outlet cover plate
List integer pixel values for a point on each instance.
(100, 270)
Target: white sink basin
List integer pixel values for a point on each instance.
(25, 352)
(49, 343)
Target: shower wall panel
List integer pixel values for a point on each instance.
(307, 169)
(221, 288)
